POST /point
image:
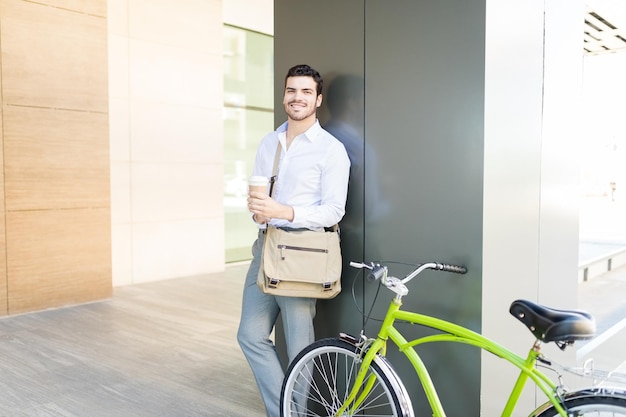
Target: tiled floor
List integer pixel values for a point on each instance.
(159, 349)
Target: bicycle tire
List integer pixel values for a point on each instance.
(596, 402)
(324, 374)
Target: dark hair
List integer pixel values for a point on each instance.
(303, 70)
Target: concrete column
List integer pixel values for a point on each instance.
(533, 86)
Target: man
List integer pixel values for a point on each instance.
(310, 192)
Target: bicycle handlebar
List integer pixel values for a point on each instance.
(379, 272)
(377, 268)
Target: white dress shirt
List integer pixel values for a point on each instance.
(312, 176)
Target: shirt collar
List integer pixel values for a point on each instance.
(311, 133)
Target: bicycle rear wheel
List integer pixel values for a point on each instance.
(595, 402)
(321, 377)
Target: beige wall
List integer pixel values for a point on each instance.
(111, 131)
(56, 219)
(165, 89)
(256, 15)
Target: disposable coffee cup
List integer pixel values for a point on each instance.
(258, 183)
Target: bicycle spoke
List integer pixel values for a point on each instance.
(319, 383)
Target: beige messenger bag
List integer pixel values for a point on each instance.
(301, 263)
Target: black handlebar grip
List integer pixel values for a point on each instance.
(452, 268)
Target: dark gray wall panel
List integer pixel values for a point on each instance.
(416, 185)
(424, 118)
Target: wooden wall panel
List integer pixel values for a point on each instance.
(57, 258)
(55, 159)
(53, 57)
(3, 263)
(55, 223)
(4, 293)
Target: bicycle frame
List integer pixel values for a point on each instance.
(450, 333)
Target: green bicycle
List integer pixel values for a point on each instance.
(348, 376)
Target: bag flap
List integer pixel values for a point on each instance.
(302, 256)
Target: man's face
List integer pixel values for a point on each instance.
(301, 100)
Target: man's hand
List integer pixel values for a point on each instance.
(265, 208)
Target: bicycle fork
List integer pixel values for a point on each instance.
(361, 389)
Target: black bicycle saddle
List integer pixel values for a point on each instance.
(551, 325)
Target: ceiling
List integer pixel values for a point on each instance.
(605, 26)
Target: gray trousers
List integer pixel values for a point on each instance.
(259, 313)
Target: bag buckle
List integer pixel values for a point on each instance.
(273, 282)
(327, 286)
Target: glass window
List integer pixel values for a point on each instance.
(248, 116)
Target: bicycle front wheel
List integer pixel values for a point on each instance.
(596, 402)
(322, 376)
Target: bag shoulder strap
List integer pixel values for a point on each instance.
(275, 169)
